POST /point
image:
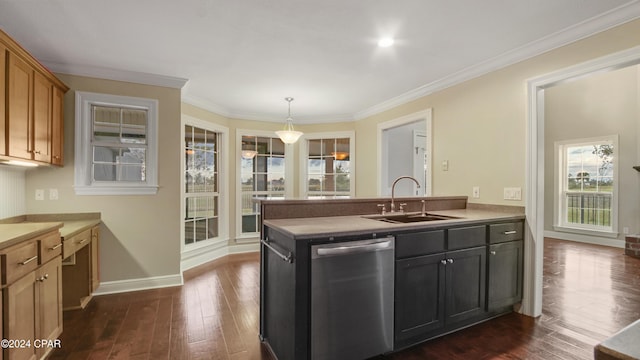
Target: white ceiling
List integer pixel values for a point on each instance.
(242, 58)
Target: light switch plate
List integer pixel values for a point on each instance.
(476, 192)
(53, 194)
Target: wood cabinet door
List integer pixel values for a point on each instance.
(3, 99)
(19, 316)
(419, 297)
(42, 111)
(95, 258)
(19, 104)
(466, 284)
(57, 127)
(49, 304)
(505, 274)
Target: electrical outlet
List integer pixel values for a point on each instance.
(476, 192)
(39, 194)
(53, 194)
(445, 165)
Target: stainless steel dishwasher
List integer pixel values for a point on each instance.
(352, 299)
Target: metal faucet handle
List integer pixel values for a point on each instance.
(402, 205)
(383, 211)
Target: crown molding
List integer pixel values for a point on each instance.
(117, 75)
(222, 111)
(608, 20)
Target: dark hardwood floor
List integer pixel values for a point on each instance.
(590, 292)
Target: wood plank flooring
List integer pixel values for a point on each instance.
(590, 292)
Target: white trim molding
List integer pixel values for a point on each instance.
(155, 282)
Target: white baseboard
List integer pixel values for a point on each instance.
(114, 287)
(585, 239)
(212, 252)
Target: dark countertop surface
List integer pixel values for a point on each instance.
(307, 228)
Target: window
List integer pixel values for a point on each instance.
(328, 164)
(262, 175)
(587, 200)
(201, 184)
(116, 145)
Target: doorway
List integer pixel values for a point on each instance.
(405, 148)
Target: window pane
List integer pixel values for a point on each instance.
(134, 126)
(328, 168)
(261, 176)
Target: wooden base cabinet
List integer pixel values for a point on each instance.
(20, 302)
(32, 296)
(505, 274)
(49, 304)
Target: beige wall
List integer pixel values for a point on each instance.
(140, 234)
(599, 105)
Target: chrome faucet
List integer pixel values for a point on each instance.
(393, 190)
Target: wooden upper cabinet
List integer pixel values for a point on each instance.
(32, 116)
(57, 127)
(19, 104)
(3, 99)
(42, 115)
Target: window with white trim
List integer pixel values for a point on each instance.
(328, 163)
(116, 145)
(263, 172)
(201, 184)
(587, 182)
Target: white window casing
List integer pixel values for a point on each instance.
(85, 183)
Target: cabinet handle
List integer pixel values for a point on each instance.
(493, 252)
(29, 260)
(450, 261)
(43, 278)
(443, 262)
(55, 247)
(82, 241)
(510, 232)
(37, 152)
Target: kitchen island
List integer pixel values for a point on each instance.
(462, 267)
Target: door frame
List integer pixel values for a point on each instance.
(425, 115)
(534, 208)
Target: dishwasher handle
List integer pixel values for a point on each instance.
(358, 247)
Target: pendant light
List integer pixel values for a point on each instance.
(288, 135)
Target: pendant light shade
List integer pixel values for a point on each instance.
(288, 135)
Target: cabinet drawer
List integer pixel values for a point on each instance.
(19, 260)
(506, 232)
(50, 246)
(75, 243)
(420, 243)
(466, 237)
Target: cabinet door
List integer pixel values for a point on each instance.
(465, 278)
(57, 127)
(20, 100)
(19, 316)
(95, 258)
(49, 304)
(42, 97)
(505, 274)
(419, 296)
(3, 99)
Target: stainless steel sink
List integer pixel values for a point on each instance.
(411, 218)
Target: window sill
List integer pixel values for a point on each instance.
(116, 190)
(599, 233)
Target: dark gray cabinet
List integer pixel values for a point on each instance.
(438, 290)
(419, 297)
(505, 265)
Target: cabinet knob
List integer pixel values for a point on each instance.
(43, 278)
(443, 262)
(493, 252)
(450, 261)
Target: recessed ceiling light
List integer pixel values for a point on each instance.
(385, 42)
